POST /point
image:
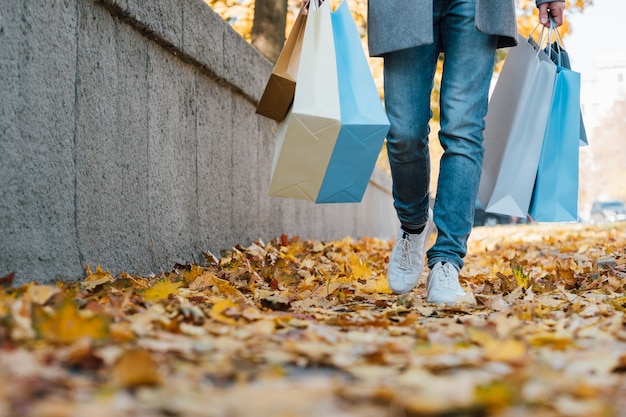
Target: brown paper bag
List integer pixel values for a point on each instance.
(280, 88)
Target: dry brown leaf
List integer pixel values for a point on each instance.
(136, 367)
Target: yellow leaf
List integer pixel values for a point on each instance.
(480, 337)
(226, 288)
(67, 324)
(509, 350)
(553, 340)
(520, 276)
(618, 303)
(377, 285)
(94, 279)
(495, 395)
(358, 268)
(160, 290)
(194, 272)
(220, 310)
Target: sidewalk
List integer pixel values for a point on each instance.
(309, 328)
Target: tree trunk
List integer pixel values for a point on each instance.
(268, 30)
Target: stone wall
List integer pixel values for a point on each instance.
(128, 138)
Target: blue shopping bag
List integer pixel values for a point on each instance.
(559, 56)
(364, 124)
(555, 196)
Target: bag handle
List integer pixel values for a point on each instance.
(546, 37)
(316, 4)
(543, 36)
(558, 41)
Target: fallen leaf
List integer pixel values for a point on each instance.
(7, 280)
(136, 367)
(95, 279)
(160, 290)
(67, 324)
(220, 312)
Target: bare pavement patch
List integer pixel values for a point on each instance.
(310, 328)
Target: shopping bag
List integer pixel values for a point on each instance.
(280, 88)
(364, 123)
(560, 57)
(308, 134)
(514, 129)
(555, 196)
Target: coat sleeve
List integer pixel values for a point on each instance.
(398, 24)
(497, 17)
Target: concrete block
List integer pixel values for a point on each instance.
(38, 45)
(214, 160)
(248, 170)
(172, 153)
(246, 65)
(203, 37)
(112, 143)
(163, 18)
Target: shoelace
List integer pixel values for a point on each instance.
(406, 249)
(448, 281)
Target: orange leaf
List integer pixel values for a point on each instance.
(136, 367)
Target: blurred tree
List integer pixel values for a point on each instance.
(268, 28)
(238, 13)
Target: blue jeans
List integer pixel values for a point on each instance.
(468, 66)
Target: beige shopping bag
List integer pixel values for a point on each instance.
(307, 136)
(279, 90)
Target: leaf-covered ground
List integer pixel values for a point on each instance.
(309, 328)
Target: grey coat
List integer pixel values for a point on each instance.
(398, 24)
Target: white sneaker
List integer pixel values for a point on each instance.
(442, 285)
(406, 262)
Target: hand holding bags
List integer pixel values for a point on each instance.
(328, 144)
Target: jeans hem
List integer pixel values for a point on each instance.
(432, 262)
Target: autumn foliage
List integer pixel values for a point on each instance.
(310, 328)
(240, 14)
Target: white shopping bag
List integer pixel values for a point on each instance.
(307, 136)
(514, 129)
